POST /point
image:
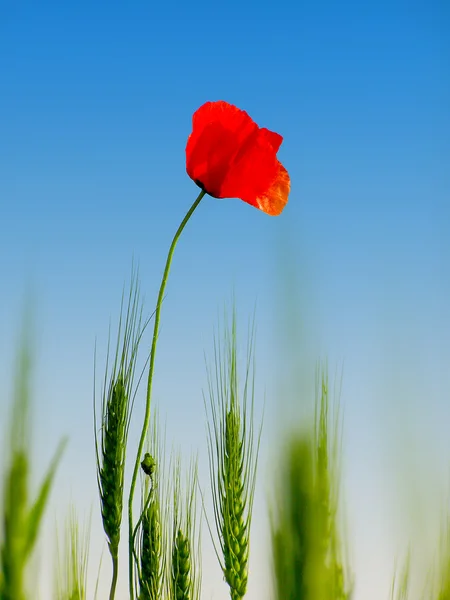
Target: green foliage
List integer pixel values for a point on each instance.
(37, 510)
(400, 585)
(308, 557)
(444, 570)
(306, 550)
(292, 539)
(72, 569)
(20, 521)
(14, 534)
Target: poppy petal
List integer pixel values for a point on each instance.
(218, 132)
(258, 178)
(273, 138)
(276, 197)
(229, 156)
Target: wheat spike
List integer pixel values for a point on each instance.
(233, 458)
(150, 549)
(181, 567)
(116, 406)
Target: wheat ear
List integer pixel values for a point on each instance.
(185, 575)
(233, 458)
(151, 575)
(151, 528)
(116, 407)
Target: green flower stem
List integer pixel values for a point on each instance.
(144, 510)
(149, 386)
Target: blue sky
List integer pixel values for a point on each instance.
(95, 108)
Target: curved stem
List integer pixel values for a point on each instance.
(149, 387)
(112, 593)
(146, 505)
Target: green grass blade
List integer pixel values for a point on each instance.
(37, 510)
(12, 554)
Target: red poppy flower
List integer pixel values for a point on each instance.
(229, 156)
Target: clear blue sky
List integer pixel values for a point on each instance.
(96, 102)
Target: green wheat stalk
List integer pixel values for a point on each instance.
(400, 582)
(436, 585)
(307, 555)
(232, 458)
(291, 532)
(184, 581)
(150, 556)
(444, 566)
(152, 523)
(71, 578)
(116, 407)
(21, 521)
(327, 475)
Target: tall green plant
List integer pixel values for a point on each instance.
(116, 405)
(150, 580)
(307, 554)
(184, 578)
(401, 582)
(152, 526)
(443, 592)
(71, 574)
(233, 452)
(21, 520)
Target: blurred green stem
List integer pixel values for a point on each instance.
(149, 387)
